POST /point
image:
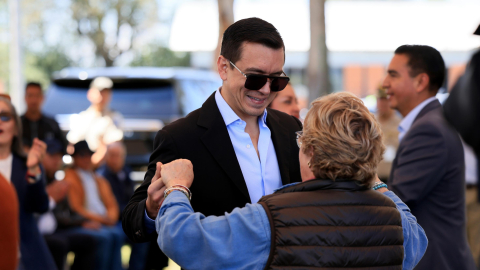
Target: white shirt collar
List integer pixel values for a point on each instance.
(407, 122)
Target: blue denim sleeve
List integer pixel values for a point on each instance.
(237, 240)
(149, 223)
(414, 239)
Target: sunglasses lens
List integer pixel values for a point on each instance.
(278, 84)
(5, 118)
(254, 82)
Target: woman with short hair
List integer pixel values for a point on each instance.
(338, 217)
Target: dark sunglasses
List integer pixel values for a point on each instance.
(5, 117)
(257, 81)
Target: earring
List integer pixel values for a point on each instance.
(309, 164)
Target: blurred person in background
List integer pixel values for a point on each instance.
(241, 149)
(463, 112)
(472, 203)
(286, 101)
(389, 121)
(35, 124)
(297, 226)
(91, 197)
(60, 242)
(428, 172)
(25, 174)
(118, 175)
(462, 108)
(9, 227)
(98, 125)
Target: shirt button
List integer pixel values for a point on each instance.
(248, 146)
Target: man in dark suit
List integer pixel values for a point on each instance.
(35, 124)
(428, 171)
(240, 150)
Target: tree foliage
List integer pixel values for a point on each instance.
(154, 56)
(132, 17)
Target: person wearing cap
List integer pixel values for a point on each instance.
(389, 121)
(34, 123)
(51, 224)
(91, 196)
(98, 125)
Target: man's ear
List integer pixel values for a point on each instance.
(422, 82)
(222, 66)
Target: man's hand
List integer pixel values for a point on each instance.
(35, 156)
(178, 172)
(57, 190)
(155, 193)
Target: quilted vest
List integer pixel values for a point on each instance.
(323, 224)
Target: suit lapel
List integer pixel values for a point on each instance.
(282, 148)
(430, 106)
(217, 141)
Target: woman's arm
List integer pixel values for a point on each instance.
(415, 241)
(237, 240)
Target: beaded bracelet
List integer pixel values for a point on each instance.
(180, 188)
(378, 186)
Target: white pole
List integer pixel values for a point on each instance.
(15, 57)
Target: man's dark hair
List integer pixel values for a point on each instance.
(425, 59)
(253, 30)
(33, 84)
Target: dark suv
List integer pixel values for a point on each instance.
(147, 97)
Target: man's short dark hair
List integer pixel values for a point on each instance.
(253, 30)
(425, 59)
(33, 84)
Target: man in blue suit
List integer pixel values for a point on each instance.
(428, 172)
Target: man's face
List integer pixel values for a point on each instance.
(33, 98)
(399, 85)
(255, 59)
(83, 160)
(100, 98)
(115, 158)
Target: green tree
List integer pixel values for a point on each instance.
(130, 18)
(154, 56)
(40, 66)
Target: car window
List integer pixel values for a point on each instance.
(195, 92)
(132, 100)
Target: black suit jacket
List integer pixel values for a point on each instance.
(428, 174)
(32, 199)
(219, 186)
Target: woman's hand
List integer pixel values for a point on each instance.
(178, 172)
(35, 156)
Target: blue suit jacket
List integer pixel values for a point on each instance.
(32, 198)
(428, 174)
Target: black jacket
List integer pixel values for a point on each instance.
(325, 224)
(428, 174)
(219, 187)
(45, 128)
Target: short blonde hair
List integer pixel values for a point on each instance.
(345, 137)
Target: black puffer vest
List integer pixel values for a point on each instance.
(322, 224)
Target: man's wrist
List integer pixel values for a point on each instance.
(150, 213)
